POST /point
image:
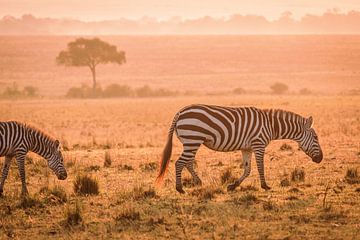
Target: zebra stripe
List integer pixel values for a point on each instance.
(225, 129)
(16, 139)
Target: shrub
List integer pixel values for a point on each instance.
(86, 185)
(107, 160)
(73, 216)
(239, 91)
(30, 91)
(279, 88)
(352, 176)
(298, 175)
(305, 91)
(115, 90)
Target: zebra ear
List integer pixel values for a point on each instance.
(309, 122)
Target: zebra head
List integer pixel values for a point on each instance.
(309, 141)
(56, 161)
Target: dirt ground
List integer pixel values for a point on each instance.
(132, 133)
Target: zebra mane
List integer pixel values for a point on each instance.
(32, 128)
(281, 113)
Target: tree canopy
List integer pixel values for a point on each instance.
(90, 53)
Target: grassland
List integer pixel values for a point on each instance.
(205, 64)
(130, 133)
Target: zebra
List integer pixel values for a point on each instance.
(16, 139)
(226, 129)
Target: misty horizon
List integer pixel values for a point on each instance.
(330, 22)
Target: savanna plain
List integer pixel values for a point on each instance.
(117, 144)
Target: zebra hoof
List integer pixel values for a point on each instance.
(1, 193)
(266, 187)
(231, 187)
(180, 190)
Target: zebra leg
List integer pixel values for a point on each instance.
(247, 163)
(190, 167)
(20, 159)
(179, 165)
(259, 155)
(5, 173)
(186, 160)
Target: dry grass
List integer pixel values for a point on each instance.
(86, 185)
(107, 159)
(128, 206)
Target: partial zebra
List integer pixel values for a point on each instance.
(16, 139)
(225, 129)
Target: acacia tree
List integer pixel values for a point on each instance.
(90, 52)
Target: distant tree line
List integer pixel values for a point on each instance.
(14, 91)
(116, 90)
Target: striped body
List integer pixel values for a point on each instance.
(248, 129)
(16, 139)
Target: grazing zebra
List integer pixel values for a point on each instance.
(16, 139)
(225, 129)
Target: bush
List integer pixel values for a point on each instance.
(84, 92)
(239, 91)
(30, 91)
(305, 91)
(116, 90)
(279, 88)
(86, 185)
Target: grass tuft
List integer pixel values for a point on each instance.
(246, 199)
(285, 147)
(227, 177)
(128, 215)
(30, 202)
(298, 175)
(285, 182)
(73, 216)
(206, 193)
(107, 160)
(270, 206)
(148, 167)
(352, 176)
(86, 185)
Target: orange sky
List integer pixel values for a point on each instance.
(90, 10)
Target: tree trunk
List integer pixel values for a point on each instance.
(94, 77)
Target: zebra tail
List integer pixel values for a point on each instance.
(164, 162)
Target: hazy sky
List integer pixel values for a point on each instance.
(163, 9)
